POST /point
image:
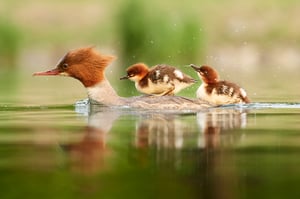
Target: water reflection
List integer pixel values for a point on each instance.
(189, 155)
(216, 123)
(161, 131)
(171, 131)
(197, 144)
(88, 155)
(170, 138)
(219, 174)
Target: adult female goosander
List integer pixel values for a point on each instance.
(87, 65)
(218, 92)
(158, 80)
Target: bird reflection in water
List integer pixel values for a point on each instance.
(169, 130)
(200, 144)
(209, 158)
(168, 134)
(160, 130)
(219, 176)
(89, 154)
(217, 125)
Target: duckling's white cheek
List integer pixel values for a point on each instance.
(134, 78)
(64, 74)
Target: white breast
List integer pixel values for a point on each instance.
(162, 87)
(154, 88)
(215, 98)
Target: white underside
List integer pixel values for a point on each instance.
(161, 88)
(218, 99)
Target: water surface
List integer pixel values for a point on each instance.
(78, 151)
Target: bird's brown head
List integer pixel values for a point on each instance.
(84, 64)
(206, 73)
(136, 72)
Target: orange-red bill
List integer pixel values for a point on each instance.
(49, 72)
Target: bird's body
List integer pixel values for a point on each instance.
(158, 80)
(88, 66)
(218, 92)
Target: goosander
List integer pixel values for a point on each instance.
(158, 80)
(218, 92)
(88, 66)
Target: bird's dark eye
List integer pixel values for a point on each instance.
(65, 66)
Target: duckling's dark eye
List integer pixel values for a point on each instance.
(65, 66)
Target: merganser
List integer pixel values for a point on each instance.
(218, 92)
(88, 66)
(158, 80)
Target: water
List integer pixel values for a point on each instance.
(79, 151)
(51, 147)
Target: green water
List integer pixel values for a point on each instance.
(66, 152)
(50, 148)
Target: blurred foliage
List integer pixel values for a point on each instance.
(9, 80)
(158, 38)
(9, 43)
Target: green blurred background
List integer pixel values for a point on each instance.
(253, 43)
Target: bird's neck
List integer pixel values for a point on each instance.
(104, 93)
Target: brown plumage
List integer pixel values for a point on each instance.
(88, 66)
(218, 92)
(83, 64)
(158, 80)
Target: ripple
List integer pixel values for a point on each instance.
(262, 105)
(83, 107)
